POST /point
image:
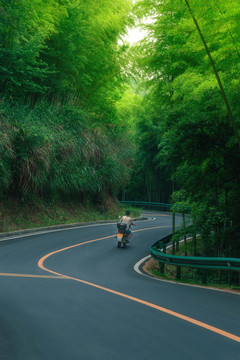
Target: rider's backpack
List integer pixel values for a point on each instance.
(121, 226)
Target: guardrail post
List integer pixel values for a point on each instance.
(204, 276)
(162, 265)
(178, 273)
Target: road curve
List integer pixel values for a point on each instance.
(73, 294)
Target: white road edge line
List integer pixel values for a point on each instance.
(35, 233)
(48, 231)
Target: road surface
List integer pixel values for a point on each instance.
(72, 294)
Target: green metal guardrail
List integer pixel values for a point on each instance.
(148, 204)
(198, 262)
(158, 250)
(215, 263)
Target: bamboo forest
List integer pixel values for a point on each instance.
(88, 117)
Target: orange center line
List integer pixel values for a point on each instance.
(129, 297)
(33, 276)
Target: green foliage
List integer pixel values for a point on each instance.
(187, 130)
(129, 107)
(37, 213)
(65, 49)
(59, 151)
(60, 79)
(24, 26)
(95, 108)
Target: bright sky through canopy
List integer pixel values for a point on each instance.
(135, 35)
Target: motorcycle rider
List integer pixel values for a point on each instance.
(126, 219)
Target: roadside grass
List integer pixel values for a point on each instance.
(15, 215)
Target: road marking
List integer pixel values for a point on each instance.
(33, 276)
(143, 260)
(42, 232)
(150, 214)
(48, 231)
(139, 263)
(129, 297)
(152, 228)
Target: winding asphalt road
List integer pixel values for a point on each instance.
(72, 294)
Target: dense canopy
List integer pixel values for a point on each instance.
(190, 69)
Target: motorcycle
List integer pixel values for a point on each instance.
(122, 237)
